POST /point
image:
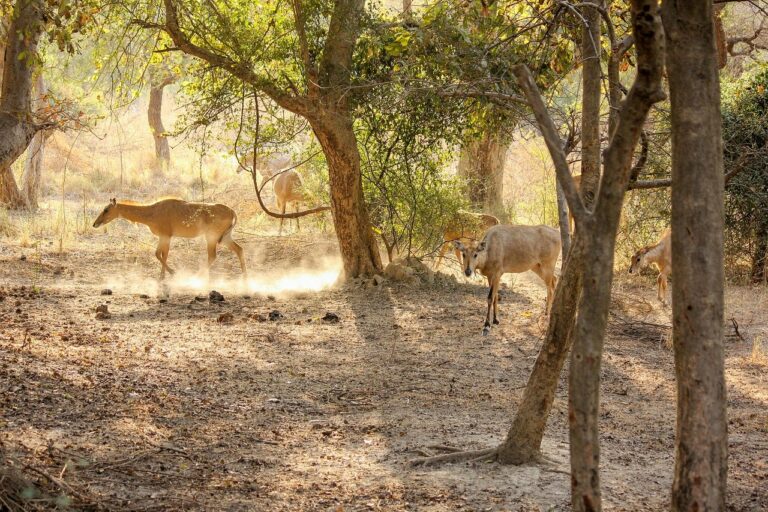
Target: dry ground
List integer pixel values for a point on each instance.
(163, 407)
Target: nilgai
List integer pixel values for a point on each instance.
(173, 217)
(659, 254)
(512, 249)
(288, 185)
(464, 227)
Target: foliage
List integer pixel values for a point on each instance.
(745, 137)
(406, 145)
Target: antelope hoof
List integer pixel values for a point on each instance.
(496, 321)
(486, 330)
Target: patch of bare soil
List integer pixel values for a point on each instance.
(174, 400)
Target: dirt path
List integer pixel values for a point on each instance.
(170, 404)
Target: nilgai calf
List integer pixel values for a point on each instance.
(512, 249)
(173, 217)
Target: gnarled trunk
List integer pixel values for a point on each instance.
(481, 164)
(33, 166)
(357, 245)
(701, 444)
(16, 126)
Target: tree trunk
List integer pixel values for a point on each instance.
(16, 127)
(591, 75)
(359, 251)
(760, 256)
(34, 164)
(523, 442)
(155, 117)
(482, 165)
(599, 231)
(697, 257)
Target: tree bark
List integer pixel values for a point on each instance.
(16, 126)
(33, 166)
(760, 256)
(591, 75)
(701, 445)
(155, 118)
(358, 247)
(481, 164)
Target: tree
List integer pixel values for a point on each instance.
(158, 82)
(16, 125)
(481, 164)
(745, 134)
(33, 166)
(591, 76)
(587, 287)
(701, 444)
(322, 68)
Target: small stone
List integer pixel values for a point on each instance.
(258, 317)
(102, 312)
(331, 318)
(275, 315)
(378, 280)
(225, 318)
(23, 257)
(106, 291)
(215, 296)
(143, 296)
(162, 301)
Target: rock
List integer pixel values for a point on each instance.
(162, 301)
(23, 257)
(399, 272)
(275, 315)
(102, 312)
(258, 317)
(378, 280)
(199, 299)
(225, 318)
(331, 318)
(106, 291)
(215, 296)
(143, 296)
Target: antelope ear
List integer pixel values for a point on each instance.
(457, 244)
(113, 201)
(481, 247)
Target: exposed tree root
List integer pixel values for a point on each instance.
(470, 456)
(544, 463)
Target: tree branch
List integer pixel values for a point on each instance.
(243, 71)
(553, 141)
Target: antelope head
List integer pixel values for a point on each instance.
(473, 255)
(108, 214)
(638, 262)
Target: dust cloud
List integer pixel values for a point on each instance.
(316, 276)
